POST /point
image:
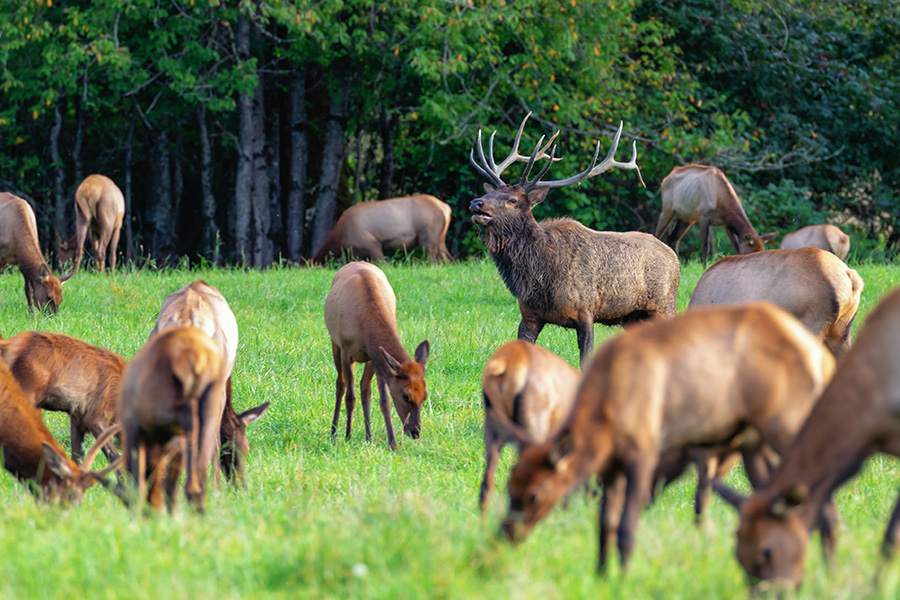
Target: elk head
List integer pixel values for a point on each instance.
(47, 295)
(235, 445)
(754, 243)
(73, 479)
(407, 387)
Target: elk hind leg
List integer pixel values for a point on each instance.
(365, 393)
(493, 444)
(338, 385)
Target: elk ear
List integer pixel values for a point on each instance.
(44, 273)
(537, 196)
(249, 416)
(790, 499)
(422, 353)
(65, 278)
(748, 238)
(560, 454)
(56, 462)
(392, 363)
(488, 188)
(768, 237)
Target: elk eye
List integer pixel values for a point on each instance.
(767, 555)
(405, 397)
(532, 498)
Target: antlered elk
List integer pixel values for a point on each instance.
(702, 193)
(560, 271)
(857, 415)
(657, 391)
(173, 388)
(60, 373)
(360, 315)
(204, 307)
(32, 454)
(370, 229)
(826, 237)
(100, 208)
(19, 246)
(811, 284)
(528, 394)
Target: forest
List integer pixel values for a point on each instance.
(238, 131)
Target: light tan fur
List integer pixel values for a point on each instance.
(813, 285)
(360, 315)
(826, 237)
(100, 208)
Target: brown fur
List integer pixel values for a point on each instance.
(19, 246)
(61, 373)
(174, 387)
(360, 315)
(100, 208)
(811, 284)
(826, 237)
(702, 193)
(857, 415)
(661, 389)
(368, 230)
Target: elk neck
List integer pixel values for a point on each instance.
(520, 248)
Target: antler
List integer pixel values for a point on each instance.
(491, 171)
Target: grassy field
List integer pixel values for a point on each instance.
(337, 519)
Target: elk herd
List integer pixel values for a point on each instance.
(759, 368)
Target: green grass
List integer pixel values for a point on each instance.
(338, 519)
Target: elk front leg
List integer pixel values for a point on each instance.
(530, 328)
(76, 433)
(384, 403)
(493, 444)
(584, 331)
(610, 514)
(350, 394)
(637, 494)
(365, 392)
(338, 387)
(704, 235)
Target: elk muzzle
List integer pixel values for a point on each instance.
(480, 217)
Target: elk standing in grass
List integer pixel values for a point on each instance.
(19, 246)
(360, 315)
(60, 373)
(100, 208)
(657, 391)
(826, 237)
(857, 415)
(560, 271)
(702, 193)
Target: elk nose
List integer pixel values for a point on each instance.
(476, 204)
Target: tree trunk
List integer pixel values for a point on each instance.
(178, 245)
(262, 245)
(208, 202)
(129, 167)
(161, 211)
(386, 185)
(59, 173)
(296, 207)
(243, 187)
(332, 160)
(272, 160)
(77, 159)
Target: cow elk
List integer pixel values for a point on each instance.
(202, 306)
(31, 453)
(826, 237)
(57, 372)
(857, 415)
(813, 285)
(702, 193)
(360, 315)
(173, 396)
(658, 391)
(100, 208)
(369, 230)
(528, 393)
(560, 271)
(19, 246)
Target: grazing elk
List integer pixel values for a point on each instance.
(826, 237)
(702, 193)
(32, 454)
(528, 393)
(811, 284)
(19, 246)
(173, 388)
(204, 307)
(660, 390)
(100, 207)
(360, 315)
(560, 271)
(60, 373)
(857, 415)
(368, 230)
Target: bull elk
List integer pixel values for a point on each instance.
(560, 271)
(100, 209)
(19, 246)
(826, 237)
(368, 230)
(702, 193)
(360, 315)
(857, 415)
(658, 391)
(813, 285)
(202, 306)
(60, 373)
(31, 453)
(173, 395)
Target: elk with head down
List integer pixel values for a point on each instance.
(202, 306)
(19, 246)
(702, 193)
(560, 271)
(360, 315)
(826, 237)
(659, 390)
(857, 415)
(100, 208)
(811, 284)
(368, 230)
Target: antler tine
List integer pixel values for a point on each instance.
(530, 185)
(492, 171)
(530, 162)
(98, 444)
(484, 170)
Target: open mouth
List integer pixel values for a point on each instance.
(481, 218)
